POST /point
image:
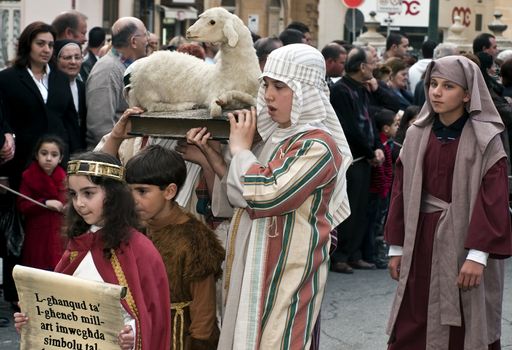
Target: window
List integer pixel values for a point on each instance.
(110, 12)
(478, 22)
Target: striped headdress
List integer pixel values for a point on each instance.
(302, 68)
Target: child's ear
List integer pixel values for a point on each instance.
(170, 192)
(466, 97)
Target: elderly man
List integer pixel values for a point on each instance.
(71, 25)
(104, 89)
(153, 43)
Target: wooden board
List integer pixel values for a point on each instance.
(176, 124)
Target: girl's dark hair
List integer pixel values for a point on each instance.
(410, 113)
(50, 139)
(381, 71)
(119, 213)
(158, 166)
(486, 62)
(506, 72)
(25, 41)
(396, 65)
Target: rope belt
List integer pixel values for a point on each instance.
(180, 314)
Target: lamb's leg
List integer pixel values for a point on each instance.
(171, 107)
(228, 97)
(215, 109)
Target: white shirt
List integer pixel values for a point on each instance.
(74, 92)
(416, 71)
(473, 254)
(42, 84)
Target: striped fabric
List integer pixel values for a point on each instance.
(302, 68)
(288, 250)
(294, 193)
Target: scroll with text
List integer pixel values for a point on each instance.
(66, 312)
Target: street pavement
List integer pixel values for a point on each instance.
(354, 312)
(356, 308)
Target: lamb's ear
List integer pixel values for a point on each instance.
(230, 33)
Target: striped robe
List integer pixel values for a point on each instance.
(278, 244)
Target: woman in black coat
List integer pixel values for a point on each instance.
(37, 98)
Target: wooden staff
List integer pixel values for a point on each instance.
(26, 197)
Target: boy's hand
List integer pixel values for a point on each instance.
(123, 125)
(54, 204)
(470, 275)
(199, 137)
(126, 338)
(20, 319)
(394, 266)
(242, 130)
(211, 149)
(191, 152)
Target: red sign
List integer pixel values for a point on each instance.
(464, 13)
(412, 7)
(352, 3)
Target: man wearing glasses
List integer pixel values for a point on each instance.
(104, 87)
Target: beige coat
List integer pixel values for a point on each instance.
(481, 306)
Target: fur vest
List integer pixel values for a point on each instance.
(191, 252)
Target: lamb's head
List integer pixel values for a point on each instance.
(217, 25)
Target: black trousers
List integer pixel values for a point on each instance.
(351, 232)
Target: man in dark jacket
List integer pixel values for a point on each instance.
(350, 99)
(95, 43)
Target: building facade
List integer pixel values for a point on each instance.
(475, 15)
(325, 18)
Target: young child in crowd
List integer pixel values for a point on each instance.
(380, 185)
(104, 246)
(43, 181)
(448, 223)
(191, 252)
(289, 194)
(408, 117)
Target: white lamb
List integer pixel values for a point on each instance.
(174, 81)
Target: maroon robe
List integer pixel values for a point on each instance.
(489, 225)
(146, 279)
(43, 244)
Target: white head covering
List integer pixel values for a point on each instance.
(302, 68)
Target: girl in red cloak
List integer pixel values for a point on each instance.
(104, 246)
(43, 180)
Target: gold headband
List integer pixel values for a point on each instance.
(93, 168)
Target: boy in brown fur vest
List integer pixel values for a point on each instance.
(190, 250)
